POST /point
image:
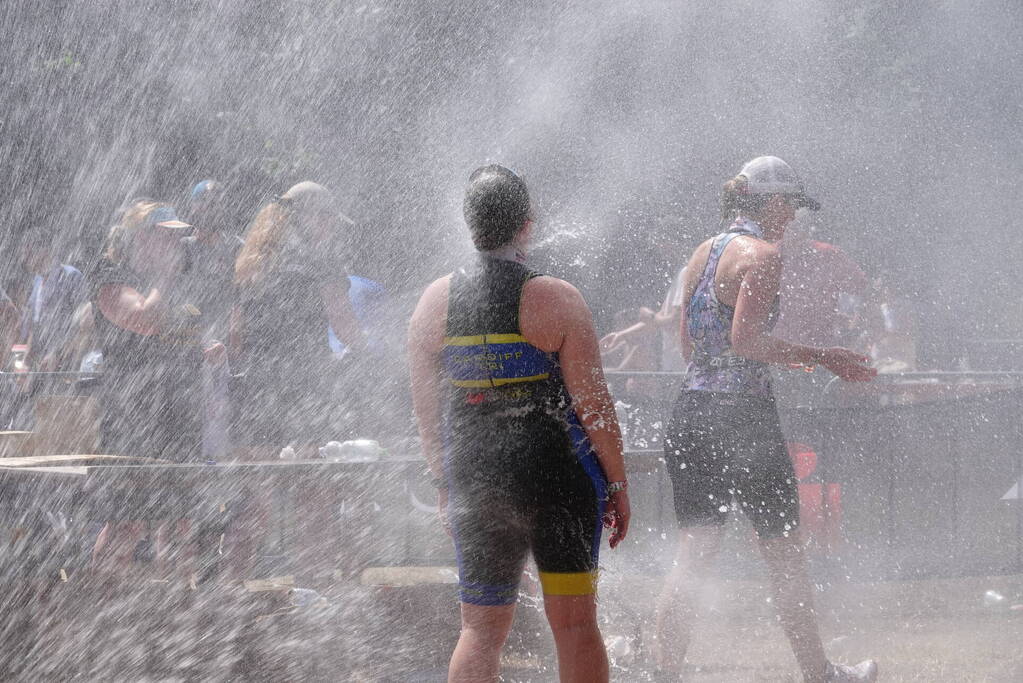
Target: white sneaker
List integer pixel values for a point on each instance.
(864, 671)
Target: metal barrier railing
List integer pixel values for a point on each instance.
(926, 476)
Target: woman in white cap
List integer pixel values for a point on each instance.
(291, 286)
(724, 439)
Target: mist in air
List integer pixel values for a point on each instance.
(624, 119)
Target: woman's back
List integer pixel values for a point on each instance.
(715, 275)
(285, 325)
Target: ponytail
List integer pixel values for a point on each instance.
(736, 199)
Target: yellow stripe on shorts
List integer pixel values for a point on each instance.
(575, 583)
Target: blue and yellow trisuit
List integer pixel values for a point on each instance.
(522, 472)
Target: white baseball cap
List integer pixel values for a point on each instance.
(771, 175)
(310, 196)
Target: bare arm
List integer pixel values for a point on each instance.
(425, 341)
(667, 316)
(612, 339)
(554, 317)
(751, 325)
(81, 338)
(236, 326)
(131, 310)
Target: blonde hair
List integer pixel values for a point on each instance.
(264, 240)
(736, 199)
(123, 233)
(278, 225)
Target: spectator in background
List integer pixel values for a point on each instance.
(210, 252)
(636, 397)
(45, 294)
(822, 303)
(149, 334)
(291, 286)
(665, 320)
(822, 288)
(53, 291)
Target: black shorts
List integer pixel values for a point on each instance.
(719, 446)
(528, 484)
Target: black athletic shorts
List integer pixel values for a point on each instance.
(519, 485)
(719, 446)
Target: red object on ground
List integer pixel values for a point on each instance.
(804, 459)
(820, 503)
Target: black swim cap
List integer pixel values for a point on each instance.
(496, 206)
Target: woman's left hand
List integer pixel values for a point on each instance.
(215, 354)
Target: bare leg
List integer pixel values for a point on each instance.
(250, 524)
(581, 654)
(793, 596)
(114, 549)
(477, 656)
(697, 549)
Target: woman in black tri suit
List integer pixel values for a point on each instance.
(520, 435)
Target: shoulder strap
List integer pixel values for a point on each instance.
(717, 248)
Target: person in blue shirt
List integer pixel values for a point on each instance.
(369, 300)
(50, 293)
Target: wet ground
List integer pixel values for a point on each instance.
(938, 630)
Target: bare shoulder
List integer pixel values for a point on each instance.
(546, 290)
(435, 294)
(699, 255)
(550, 311)
(759, 252)
(430, 316)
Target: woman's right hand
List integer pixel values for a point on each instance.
(848, 365)
(616, 517)
(215, 354)
(609, 341)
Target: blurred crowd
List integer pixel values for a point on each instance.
(206, 333)
(199, 341)
(208, 336)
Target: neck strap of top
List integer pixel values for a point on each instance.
(508, 252)
(745, 226)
